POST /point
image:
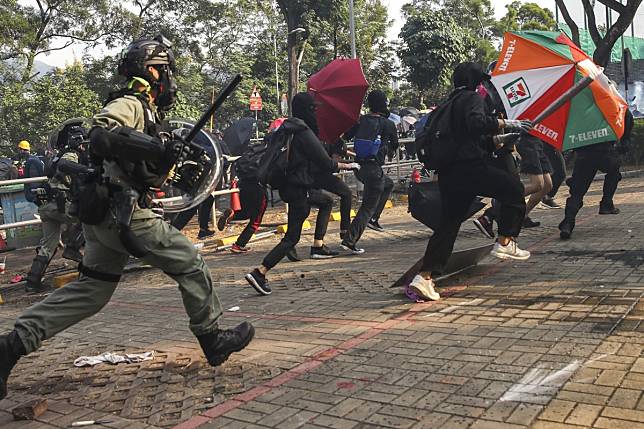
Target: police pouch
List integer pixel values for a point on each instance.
(124, 204)
(93, 202)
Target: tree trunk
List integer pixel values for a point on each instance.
(574, 28)
(26, 74)
(291, 46)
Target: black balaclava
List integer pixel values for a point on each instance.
(469, 75)
(377, 102)
(304, 108)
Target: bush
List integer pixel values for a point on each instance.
(636, 150)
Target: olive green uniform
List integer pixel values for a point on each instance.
(105, 257)
(52, 219)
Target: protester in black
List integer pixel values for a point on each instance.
(377, 185)
(590, 159)
(335, 185)
(304, 150)
(558, 175)
(204, 211)
(472, 173)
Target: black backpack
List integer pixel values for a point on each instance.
(247, 166)
(273, 165)
(435, 143)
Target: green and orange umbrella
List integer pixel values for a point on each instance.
(535, 68)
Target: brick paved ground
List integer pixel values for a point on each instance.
(555, 342)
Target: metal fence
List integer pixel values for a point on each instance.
(45, 178)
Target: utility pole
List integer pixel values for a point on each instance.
(352, 29)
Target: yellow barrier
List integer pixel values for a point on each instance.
(62, 280)
(335, 216)
(283, 228)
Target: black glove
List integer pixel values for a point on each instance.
(173, 153)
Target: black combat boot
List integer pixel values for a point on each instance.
(219, 345)
(11, 349)
(565, 228)
(36, 273)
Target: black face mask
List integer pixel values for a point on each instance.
(23, 155)
(304, 108)
(166, 88)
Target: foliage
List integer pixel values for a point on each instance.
(433, 44)
(526, 16)
(32, 112)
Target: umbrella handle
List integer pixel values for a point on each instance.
(564, 98)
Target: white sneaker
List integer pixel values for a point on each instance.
(511, 251)
(424, 288)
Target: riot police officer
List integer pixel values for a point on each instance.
(132, 163)
(53, 199)
(603, 157)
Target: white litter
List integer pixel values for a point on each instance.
(113, 358)
(235, 308)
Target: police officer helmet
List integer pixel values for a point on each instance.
(70, 135)
(142, 53)
(156, 52)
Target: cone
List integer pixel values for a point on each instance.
(235, 203)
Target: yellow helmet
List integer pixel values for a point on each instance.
(24, 145)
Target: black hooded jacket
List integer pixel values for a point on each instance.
(306, 151)
(473, 125)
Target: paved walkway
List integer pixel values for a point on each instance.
(555, 342)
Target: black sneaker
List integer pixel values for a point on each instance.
(219, 345)
(352, 248)
(11, 349)
(373, 224)
(225, 218)
(529, 223)
(33, 287)
(323, 252)
(550, 203)
(205, 233)
(258, 281)
(485, 225)
(565, 229)
(293, 256)
(608, 210)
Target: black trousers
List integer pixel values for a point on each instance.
(205, 212)
(254, 199)
(299, 206)
(459, 186)
(336, 186)
(377, 189)
(505, 161)
(587, 164)
(558, 168)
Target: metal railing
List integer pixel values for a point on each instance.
(45, 178)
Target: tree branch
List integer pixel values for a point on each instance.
(574, 28)
(592, 22)
(615, 5)
(44, 51)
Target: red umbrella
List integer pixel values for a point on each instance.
(339, 88)
(276, 124)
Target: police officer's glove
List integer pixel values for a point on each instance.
(518, 125)
(174, 152)
(505, 140)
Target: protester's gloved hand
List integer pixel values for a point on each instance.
(518, 125)
(354, 166)
(505, 139)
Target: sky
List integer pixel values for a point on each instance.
(61, 58)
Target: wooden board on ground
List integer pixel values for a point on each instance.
(459, 261)
(30, 410)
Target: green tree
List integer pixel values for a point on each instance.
(527, 16)
(606, 38)
(53, 25)
(433, 44)
(31, 112)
